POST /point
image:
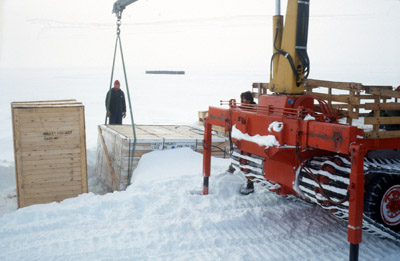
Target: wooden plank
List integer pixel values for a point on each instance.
(338, 98)
(42, 112)
(107, 158)
(52, 172)
(39, 179)
(368, 97)
(50, 134)
(139, 153)
(382, 106)
(383, 92)
(382, 120)
(58, 196)
(336, 85)
(55, 184)
(50, 157)
(51, 139)
(52, 165)
(49, 124)
(54, 190)
(16, 103)
(382, 134)
(17, 157)
(55, 118)
(48, 162)
(50, 150)
(40, 131)
(85, 188)
(65, 105)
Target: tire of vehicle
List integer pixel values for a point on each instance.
(382, 200)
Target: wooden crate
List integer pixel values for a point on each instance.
(115, 158)
(354, 101)
(50, 150)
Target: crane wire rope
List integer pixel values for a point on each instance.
(119, 43)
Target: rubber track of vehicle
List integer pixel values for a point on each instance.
(306, 185)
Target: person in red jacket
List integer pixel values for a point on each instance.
(115, 104)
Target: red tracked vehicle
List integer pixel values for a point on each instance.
(317, 152)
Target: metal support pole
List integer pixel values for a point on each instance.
(277, 7)
(356, 201)
(354, 252)
(206, 155)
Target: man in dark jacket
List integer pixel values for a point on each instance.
(115, 104)
(247, 100)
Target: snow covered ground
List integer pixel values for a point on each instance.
(64, 50)
(163, 217)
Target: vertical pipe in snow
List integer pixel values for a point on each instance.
(277, 7)
(206, 155)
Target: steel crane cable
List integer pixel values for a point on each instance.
(118, 43)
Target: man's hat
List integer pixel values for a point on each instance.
(116, 82)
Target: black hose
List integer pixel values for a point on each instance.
(303, 13)
(286, 55)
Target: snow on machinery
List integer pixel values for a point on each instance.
(353, 173)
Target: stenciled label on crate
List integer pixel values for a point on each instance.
(176, 145)
(161, 145)
(55, 135)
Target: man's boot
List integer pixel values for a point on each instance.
(249, 188)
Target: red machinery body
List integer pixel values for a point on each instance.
(297, 140)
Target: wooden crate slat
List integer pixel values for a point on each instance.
(382, 134)
(46, 178)
(382, 106)
(46, 105)
(48, 125)
(71, 186)
(41, 187)
(52, 165)
(55, 118)
(50, 157)
(17, 156)
(43, 132)
(49, 162)
(67, 138)
(382, 120)
(336, 85)
(43, 112)
(26, 115)
(338, 98)
(49, 150)
(383, 91)
(67, 192)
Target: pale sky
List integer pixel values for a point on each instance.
(75, 33)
